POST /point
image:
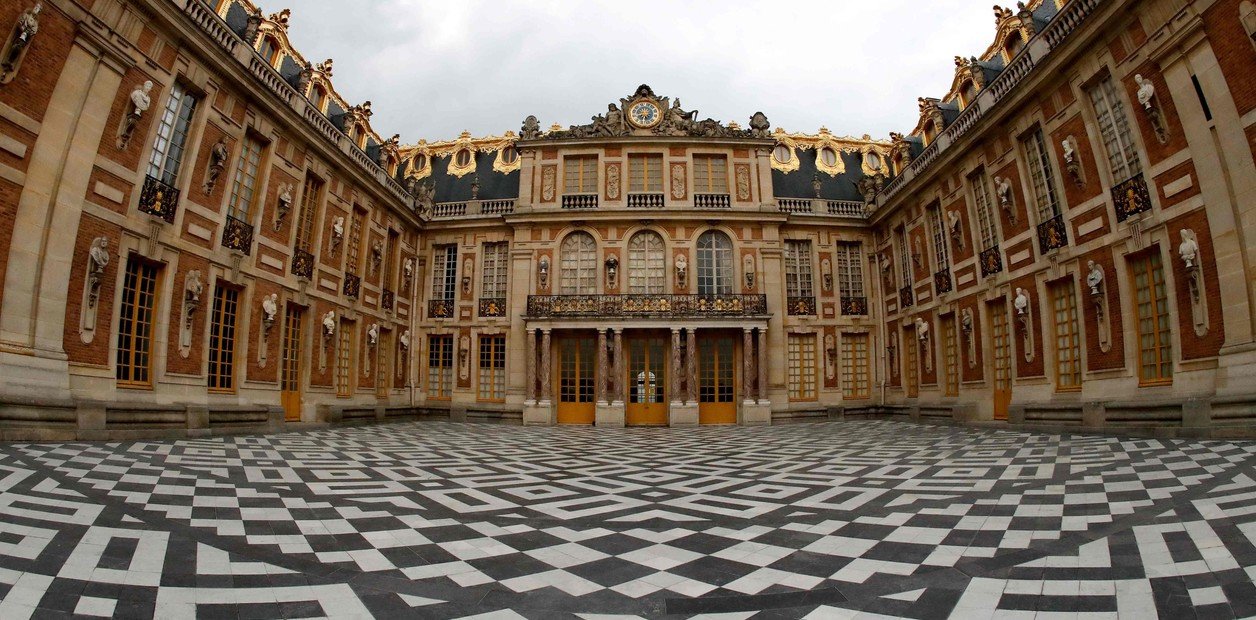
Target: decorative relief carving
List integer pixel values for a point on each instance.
(464, 357)
(826, 274)
(423, 196)
(747, 263)
(644, 113)
(682, 272)
(612, 272)
(548, 182)
(830, 355)
(542, 273)
(1151, 107)
(612, 181)
(742, 176)
(678, 181)
(468, 271)
(141, 100)
(19, 42)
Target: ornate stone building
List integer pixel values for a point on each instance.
(208, 238)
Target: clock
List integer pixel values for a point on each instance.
(644, 114)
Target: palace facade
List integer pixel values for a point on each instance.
(208, 238)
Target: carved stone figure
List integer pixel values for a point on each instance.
(251, 26)
(759, 125)
(285, 204)
(377, 254)
(140, 102)
(612, 182)
(1094, 277)
(270, 308)
(682, 271)
(816, 185)
(830, 353)
(404, 340)
(372, 334)
(678, 181)
(1071, 163)
(543, 270)
(922, 330)
(748, 268)
(1146, 92)
(966, 322)
(192, 290)
(98, 260)
(1188, 250)
(337, 231)
(407, 273)
(676, 121)
(612, 272)
(281, 18)
(218, 155)
(23, 32)
(547, 183)
(531, 128)
(329, 324)
(1003, 189)
(743, 182)
(325, 67)
(826, 274)
(305, 77)
(424, 195)
(1021, 302)
(870, 186)
(954, 224)
(610, 125)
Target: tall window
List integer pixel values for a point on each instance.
(269, 50)
(645, 173)
(913, 363)
(579, 265)
(493, 271)
(492, 379)
(710, 174)
(1155, 344)
(135, 323)
(580, 174)
(1041, 175)
(245, 182)
(318, 96)
(1114, 128)
(855, 383)
(647, 264)
(950, 357)
(904, 256)
(390, 260)
(440, 366)
(798, 268)
(172, 135)
(222, 339)
(938, 231)
(309, 209)
(383, 364)
(445, 272)
(344, 359)
(715, 264)
(1068, 342)
(353, 251)
(802, 367)
(984, 201)
(849, 272)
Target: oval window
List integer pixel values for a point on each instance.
(873, 160)
(463, 158)
(420, 161)
(828, 156)
(510, 155)
(782, 154)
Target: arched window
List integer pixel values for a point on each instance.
(967, 92)
(1015, 42)
(828, 156)
(647, 265)
(463, 158)
(579, 265)
(318, 96)
(782, 154)
(269, 50)
(715, 264)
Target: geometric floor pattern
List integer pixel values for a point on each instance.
(866, 519)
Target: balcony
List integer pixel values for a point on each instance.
(237, 235)
(644, 201)
(646, 306)
(846, 208)
(387, 300)
(493, 307)
(1052, 234)
(1129, 197)
(303, 264)
(991, 260)
(905, 297)
(440, 309)
(854, 306)
(449, 209)
(942, 281)
(579, 201)
(353, 286)
(794, 205)
(159, 199)
(442, 210)
(800, 306)
(712, 201)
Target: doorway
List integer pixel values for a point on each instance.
(1002, 360)
(290, 364)
(647, 381)
(717, 359)
(576, 380)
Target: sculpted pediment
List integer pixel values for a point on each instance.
(645, 114)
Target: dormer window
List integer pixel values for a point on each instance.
(359, 136)
(782, 154)
(510, 155)
(463, 158)
(420, 162)
(828, 157)
(967, 93)
(873, 160)
(318, 97)
(929, 132)
(1014, 44)
(269, 50)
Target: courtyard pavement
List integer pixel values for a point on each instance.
(439, 520)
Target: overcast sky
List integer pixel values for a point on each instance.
(434, 68)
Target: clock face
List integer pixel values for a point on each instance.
(644, 114)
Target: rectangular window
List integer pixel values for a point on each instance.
(445, 272)
(984, 202)
(135, 323)
(1114, 128)
(440, 367)
(849, 270)
(802, 367)
(390, 259)
(937, 231)
(493, 271)
(710, 174)
(1041, 175)
(222, 339)
(1068, 342)
(580, 174)
(645, 173)
(950, 357)
(492, 380)
(309, 209)
(1155, 344)
(855, 368)
(245, 182)
(172, 135)
(798, 268)
(344, 359)
(353, 247)
(904, 258)
(912, 363)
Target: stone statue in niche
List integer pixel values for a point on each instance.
(543, 269)
(98, 260)
(747, 263)
(24, 32)
(337, 231)
(830, 353)
(404, 340)
(1021, 304)
(377, 255)
(1003, 189)
(285, 204)
(531, 128)
(218, 155)
(192, 289)
(612, 272)
(966, 328)
(1071, 163)
(424, 196)
(372, 334)
(270, 308)
(1188, 250)
(954, 224)
(329, 324)
(407, 273)
(1147, 99)
(922, 334)
(826, 274)
(1094, 277)
(141, 100)
(682, 272)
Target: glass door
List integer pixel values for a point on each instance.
(576, 380)
(647, 381)
(290, 364)
(1002, 360)
(716, 380)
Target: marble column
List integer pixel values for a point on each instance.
(747, 365)
(763, 366)
(529, 343)
(675, 371)
(546, 368)
(617, 381)
(691, 365)
(603, 373)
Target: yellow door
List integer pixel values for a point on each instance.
(1002, 361)
(576, 380)
(290, 364)
(913, 362)
(647, 381)
(716, 383)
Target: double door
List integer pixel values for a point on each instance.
(648, 358)
(717, 386)
(577, 380)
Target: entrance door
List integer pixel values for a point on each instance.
(716, 383)
(647, 381)
(290, 364)
(576, 380)
(913, 362)
(1002, 361)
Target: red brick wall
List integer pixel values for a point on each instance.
(1096, 359)
(97, 352)
(959, 253)
(176, 363)
(31, 91)
(1173, 174)
(142, 134)
(269, 374)
(1193, 346)
(1234, 51)
(1035, 319)
(1010, 173)
(1076, 194)
(973, 372)
(1156, 151)
(200, 171)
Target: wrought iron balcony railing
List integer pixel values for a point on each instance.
(991, 260)
(159, 199)
(440, 309)
(237, 235)
(493, 307)
(905, 297)
(712, 201)
(645, 201)
(303, 264)
(658, 306)
(800, 306)
(579, 201)
(1052, 234)
(854, 306)
(353, 286)
(387, 299)
(1131, 197)
(942, 281)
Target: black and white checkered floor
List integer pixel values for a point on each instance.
(853, 519)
